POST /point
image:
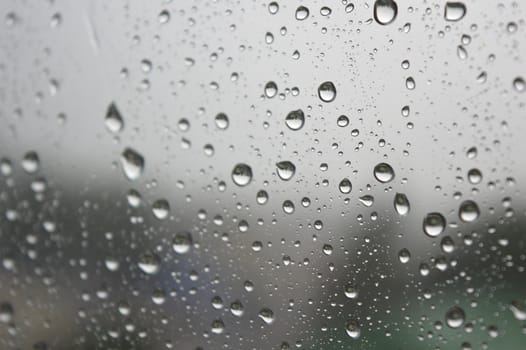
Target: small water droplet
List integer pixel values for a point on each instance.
(271, 89)
(6, 312)
(519, 85)
(149, 263)
(266, 315)
(404, 256)
(352, 328)
(302, 13)
(222, 121)
(113, 120)
(182, 242)
(30, 162)
(345, 186)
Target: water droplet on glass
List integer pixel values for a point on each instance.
(132, 164)
(474, 176)
(6, 312)
(454, 11)
(383, 172)
(404, 256)
(434, 224)
(236, 308)
(222, 121)
(182, 242)
(410, 83)
(271, 89)
(302, 13)
(295, 119)
(455, 317)
(350, 291)
(242, 174)
(327, 91)
(519, 85)
(30, 162)
(113, 120)
(161, 209)
(367, 200)
(352, 328)
(325, 11)
(468, 211)
(266, 315)
(218, 326)
(288, 207)
(401, 204)
(262, 197)
(149, 263)
(345, 186)
(285, 170)
(385, 11)
(273, 7)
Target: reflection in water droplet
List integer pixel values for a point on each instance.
(468, 211)
(218, 326)
(383, 172)
(454, 11)
(30, 162)
(132, 164)
(385, 11)
(455, 317)
(285, 170)
(236, 308)
(352, 328)
(350, 291)
(295, 119)
(474, 176)
(434, 224)
(113, 120)
(262, 197)
(327, 91)
(401, 204)
(242, 174)
(182, 242)
(302, 13)
(288, 207)
(519, 85)
(149, 263)
(345, 186)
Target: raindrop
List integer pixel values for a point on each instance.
(236, 308)
(325, 11)
(113, 120)
(367, 200)
(468, 211)
(404, 256)
(242, 174)
(401, 204)
(266, 315)
(273, 8)
(352, 328)
(149, 263)
(271, 89)
(383, 172)
(30, 162)
(350, 291)
(295, 119)
(288, 207)
(455, 317)
(132, 164)
(474, 176)
(222, 121)
(342, 121)
(454, 11)
(385, 11)
(345, 186)
(434, 224)
(262, 197)
(302, 13)
(519, 85)
(6, 312)
(182, 242)
(410, 83)
(327, 91)
(161, 209)
(285, 170)
(218, 326)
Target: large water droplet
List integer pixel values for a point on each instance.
(404, 256)
(132, 164)
(6, 312)
(385, 11)
(182, 242)
(271, 89)
(519, 85)
(401, 204)
(113, 120)
(218, 326)
(454, 11)
(295, 119)
(30, 162)
(383, 172)
(327, 91)
(302, 13)
(266, 315)
(222, 121)
(161, 209)
(352, 328)
(434, 224)
(455, 317)
(149, 263)
(242, 174)
(468, 211)
(285, 170)
(345, 186)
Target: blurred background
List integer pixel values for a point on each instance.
(262, 174)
